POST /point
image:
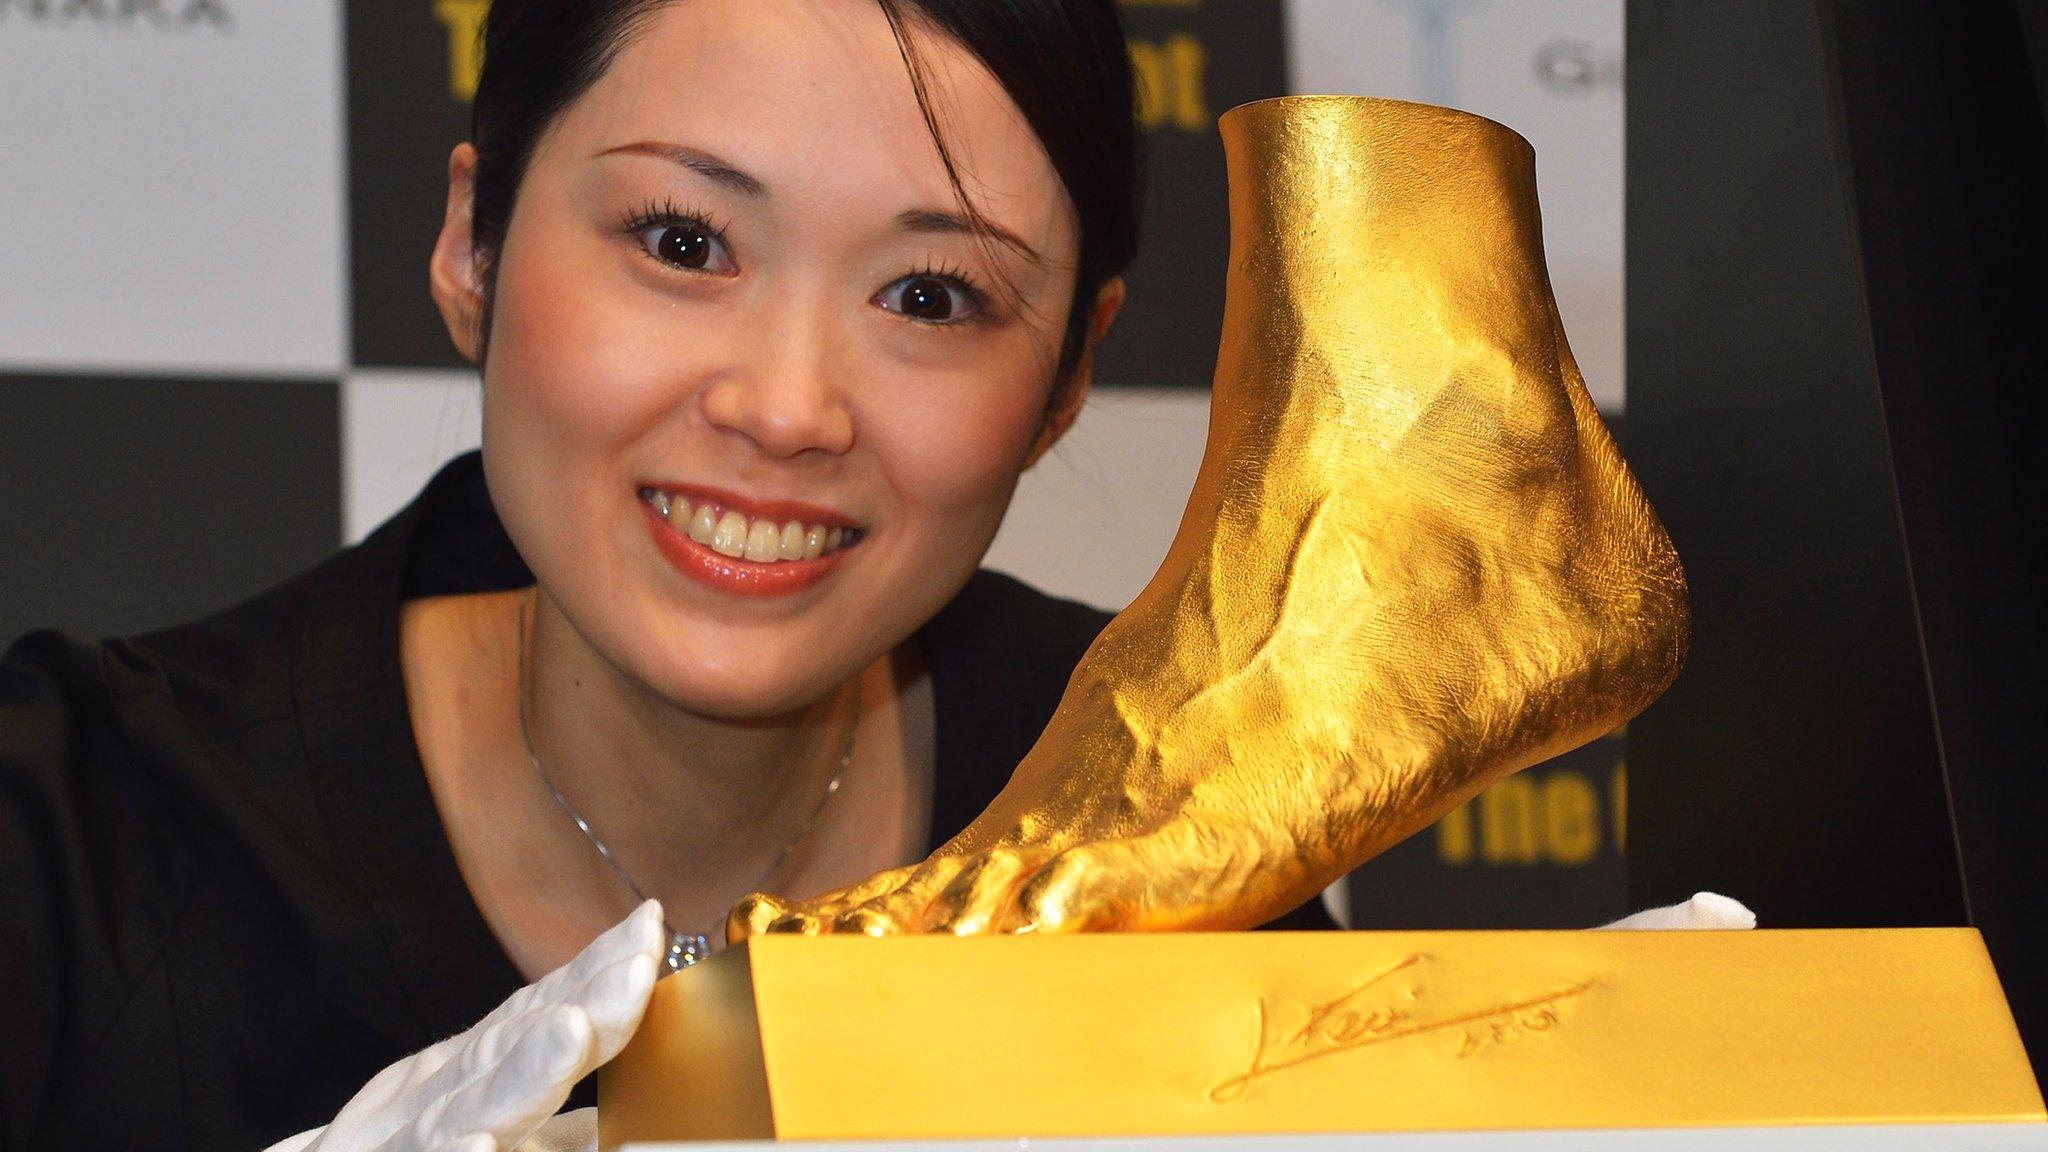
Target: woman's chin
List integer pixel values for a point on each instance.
(743, 694)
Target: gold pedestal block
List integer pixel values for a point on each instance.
(846, 1037)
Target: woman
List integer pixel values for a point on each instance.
(773, 304)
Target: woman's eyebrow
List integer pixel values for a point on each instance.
(696, 160)
(916, 220)
(933, 220)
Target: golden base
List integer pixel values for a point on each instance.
(846, 1038)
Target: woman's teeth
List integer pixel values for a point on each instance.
(734, 534)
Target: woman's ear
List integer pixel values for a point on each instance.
(1066, 401)
(451, 271)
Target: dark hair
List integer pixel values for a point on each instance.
(1063, 62)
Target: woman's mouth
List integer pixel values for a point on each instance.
(734, 534)
(765, 551)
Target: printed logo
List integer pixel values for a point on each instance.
(464, 20)
(1543, 848)
(168, 15)
(1435, 52)
(1576, 68)
(1170, 75)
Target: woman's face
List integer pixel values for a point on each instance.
(736, 276)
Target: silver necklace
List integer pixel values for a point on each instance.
(684, 948)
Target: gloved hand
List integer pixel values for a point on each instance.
(1706, 910)
(489, 1088)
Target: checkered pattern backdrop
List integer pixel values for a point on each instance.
(218, 359)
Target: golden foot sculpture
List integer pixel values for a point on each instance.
(1413, 563)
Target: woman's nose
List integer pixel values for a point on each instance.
(783, 392)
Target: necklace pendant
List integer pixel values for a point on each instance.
(685, 949)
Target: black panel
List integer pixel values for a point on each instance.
(1540, 849)
(1947, 167)
(410, 69)
(2033, 16)
(137, 503)
(1793, 765)
(1194, 62)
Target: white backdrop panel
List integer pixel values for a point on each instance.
(1093, 519)
(397, 429)
(172, 187)
(1549, 69)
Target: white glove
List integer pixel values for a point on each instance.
(491, 1087)
(1704, 910)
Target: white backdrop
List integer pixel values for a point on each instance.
(171, 187)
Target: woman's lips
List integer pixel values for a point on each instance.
(737, 575)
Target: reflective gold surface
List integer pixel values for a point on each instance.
(835, 1038)
(1413, 562)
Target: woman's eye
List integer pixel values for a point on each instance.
(931, 299)
(687, 244)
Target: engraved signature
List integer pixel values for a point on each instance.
(1392, 1004)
